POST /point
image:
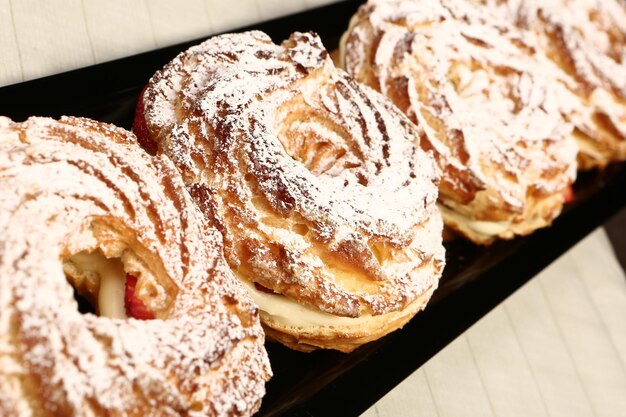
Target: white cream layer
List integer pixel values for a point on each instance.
(488, 228)
(485, 228)
(291, 313)
(112, 281)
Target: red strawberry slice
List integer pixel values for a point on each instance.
(141, 130)
(135, 308)
(568, 194)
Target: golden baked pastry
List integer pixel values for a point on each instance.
(326, 206)
(587, 40)
(488, 107)
(82, 197)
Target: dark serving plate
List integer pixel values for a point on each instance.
(476, 279)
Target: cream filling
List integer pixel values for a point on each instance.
(291, 313)
(486, 228)
(112, 282)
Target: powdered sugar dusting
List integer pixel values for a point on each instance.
(302, 168)
(77, 185)
(586, 39)
(481, 92)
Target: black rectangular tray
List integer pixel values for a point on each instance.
(475, 280)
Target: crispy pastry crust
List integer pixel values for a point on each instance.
(586, 39)
(76, 185)
(486, 102)
(314, 180)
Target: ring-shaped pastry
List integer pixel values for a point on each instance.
(326, 205)
(82, 202)
(487, 106)
(587, 40)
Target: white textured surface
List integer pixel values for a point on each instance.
(43, 37)
(557, 347)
